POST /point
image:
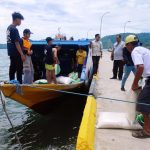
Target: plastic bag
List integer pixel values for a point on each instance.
(64, 80)
(57, 69)
(73, 75)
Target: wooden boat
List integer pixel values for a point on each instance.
(36, 94)
(31, 95)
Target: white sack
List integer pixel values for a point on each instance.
(115, 120)
(64, 80)
(41, 81)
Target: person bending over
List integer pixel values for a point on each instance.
(141, 56)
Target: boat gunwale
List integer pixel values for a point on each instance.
(43, 85)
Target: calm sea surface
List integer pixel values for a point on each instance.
(56, 130)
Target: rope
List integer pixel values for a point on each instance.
(66, 92)
(86, 95)
(124, 101)
(61, 91)
(2, 98)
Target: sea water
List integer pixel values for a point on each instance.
(56, 130)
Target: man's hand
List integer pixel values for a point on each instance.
(23, 58)
(112, 57)
(30, 52)
(135, 87)
(20, 50)
(101, 54)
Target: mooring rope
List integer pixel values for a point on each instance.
(86, 95)
(65, 92)
(2, 98)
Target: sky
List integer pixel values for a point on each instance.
(77, 18)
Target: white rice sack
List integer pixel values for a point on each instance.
(41, 81)
(64, 80)
(115, 120)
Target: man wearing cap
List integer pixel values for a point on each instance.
(141, 59)
(14, 48)
(27, 64)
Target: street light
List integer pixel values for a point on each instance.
(88, 33)
(59, 29)
(125, 24)
(102, 21)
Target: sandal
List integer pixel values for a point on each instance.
(140, 134)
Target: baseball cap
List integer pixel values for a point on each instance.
(49, 39)
(27, 31)
(131, 38)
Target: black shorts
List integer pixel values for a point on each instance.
(79, 68)
(144, 97)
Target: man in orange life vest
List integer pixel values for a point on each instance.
(27, 64)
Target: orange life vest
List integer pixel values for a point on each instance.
(26, 44)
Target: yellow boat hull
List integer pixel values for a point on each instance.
(32, 95)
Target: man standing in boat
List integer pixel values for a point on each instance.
(96, 46)
(14, 49)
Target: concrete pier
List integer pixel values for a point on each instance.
(112, 139)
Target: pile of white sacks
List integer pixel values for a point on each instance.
(72, 78)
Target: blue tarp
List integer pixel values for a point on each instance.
(82, 42)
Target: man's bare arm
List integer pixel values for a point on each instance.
(20, 50)
(138, 75)
(112, 54)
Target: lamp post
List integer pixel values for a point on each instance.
(125, 24)
(88, 33)
(102, 21)
(59, 29)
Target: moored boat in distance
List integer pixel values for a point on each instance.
(36, 94)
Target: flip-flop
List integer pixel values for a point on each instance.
(140, 134)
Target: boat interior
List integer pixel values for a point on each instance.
(67, 58)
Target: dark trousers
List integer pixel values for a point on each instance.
(95, 63)
(16, 67)
(118, 69)
(144, 97)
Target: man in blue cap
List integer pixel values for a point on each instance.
(14, 49)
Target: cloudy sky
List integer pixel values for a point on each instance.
(76, 17)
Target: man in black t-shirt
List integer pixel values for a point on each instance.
(50, 62)
(14, 49)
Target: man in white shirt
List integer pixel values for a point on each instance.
(96, 47)
(117, 56)
(141, 59)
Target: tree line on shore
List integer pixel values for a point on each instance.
(110, 39)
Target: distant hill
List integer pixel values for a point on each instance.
(3, 46)
(110, 39)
